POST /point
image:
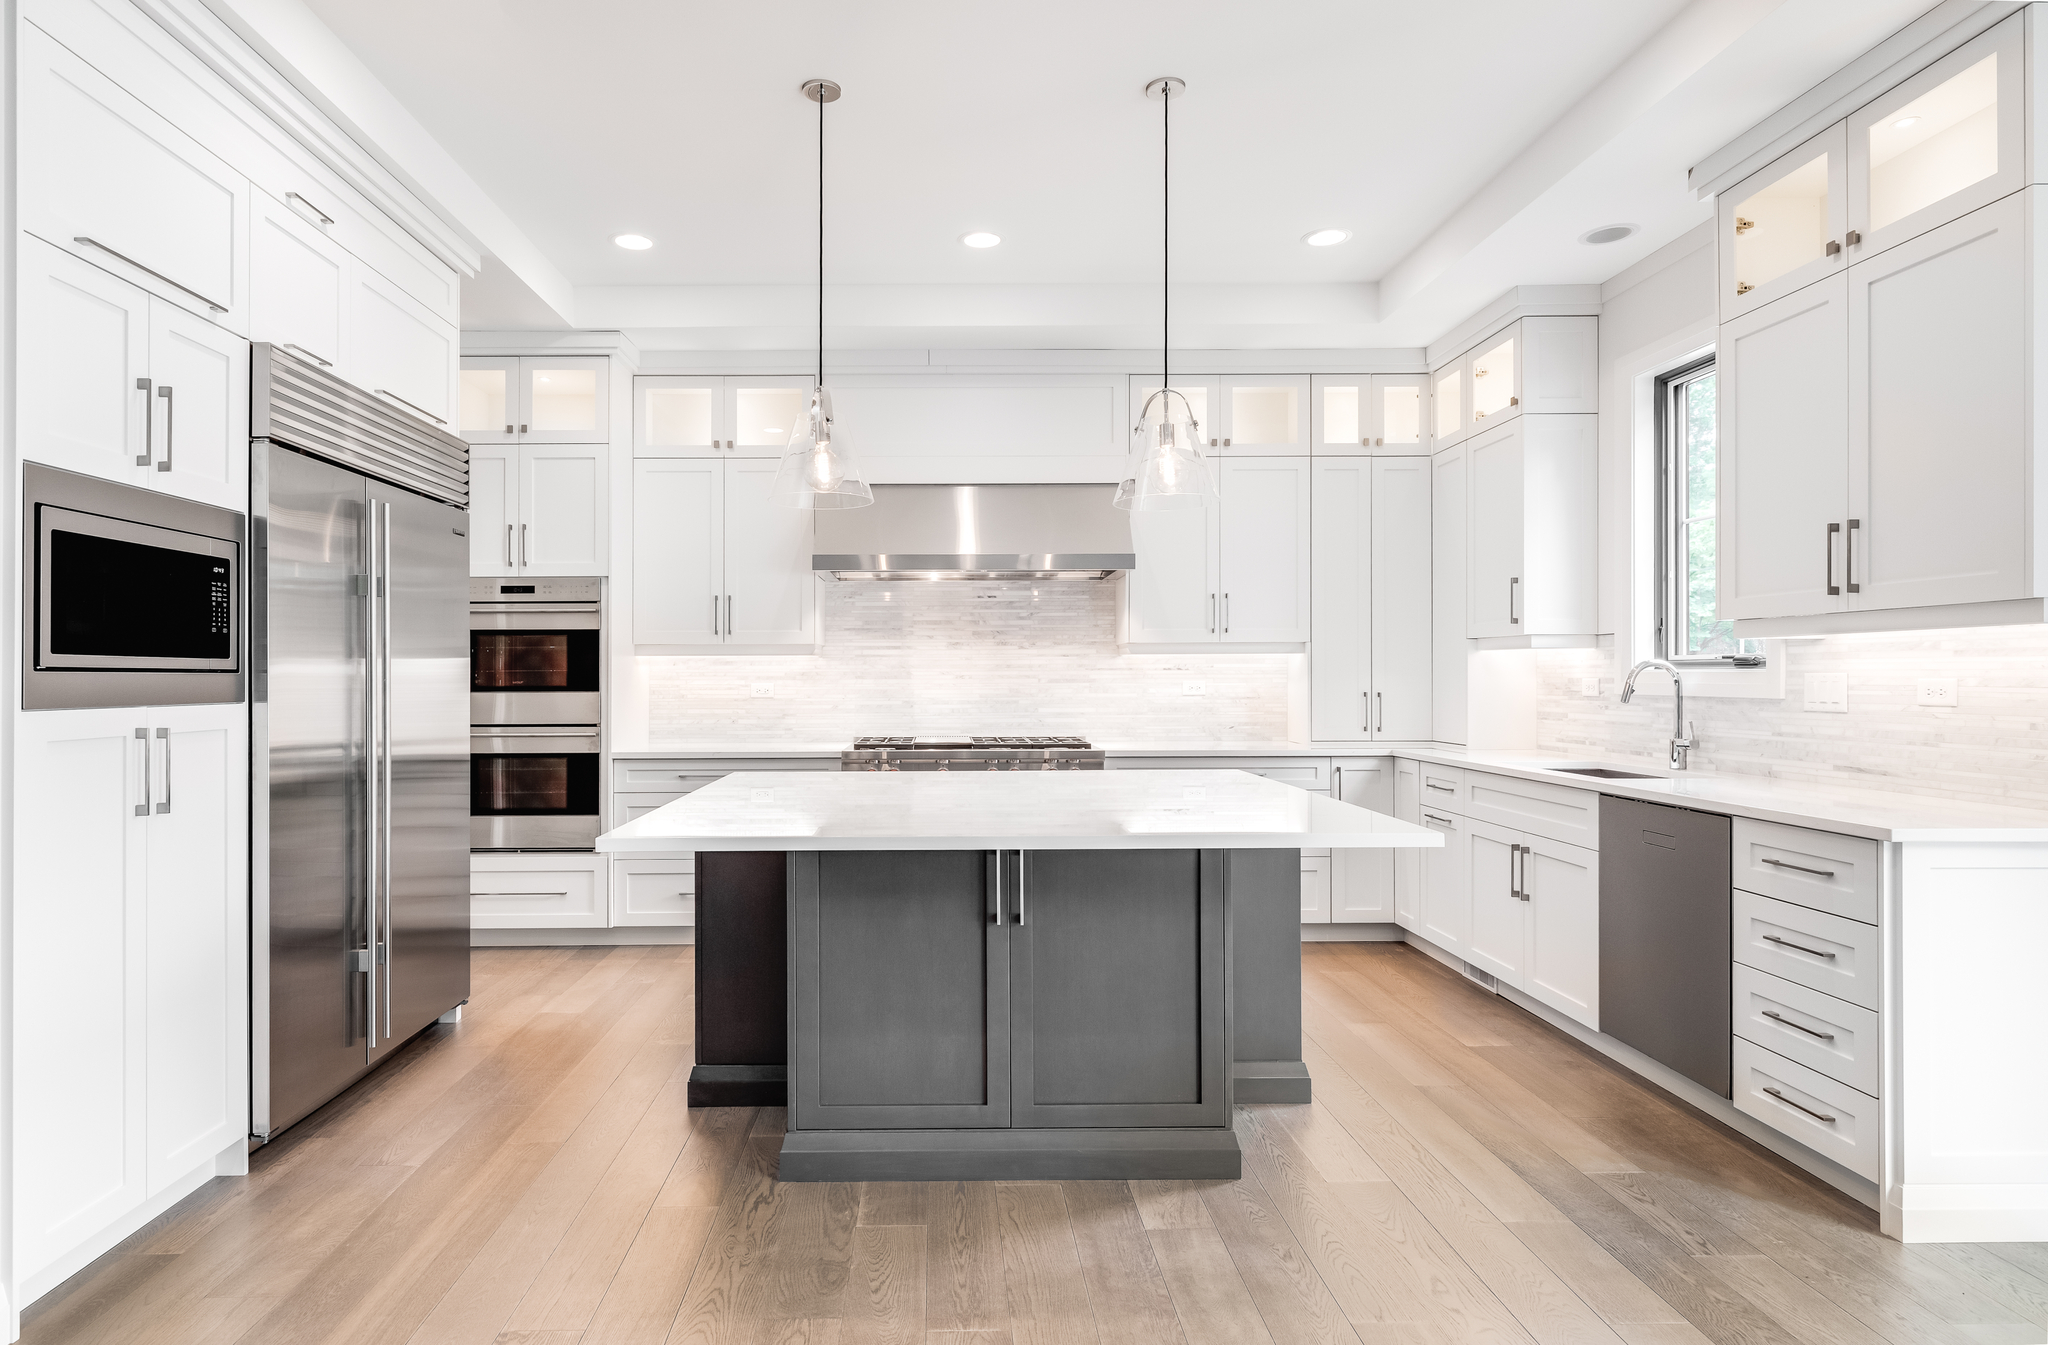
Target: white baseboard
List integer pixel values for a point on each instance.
(1351, 933)
(626, 936)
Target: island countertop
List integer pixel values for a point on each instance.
(1008, 810)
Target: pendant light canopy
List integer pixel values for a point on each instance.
(818, 470)
(1170, 470)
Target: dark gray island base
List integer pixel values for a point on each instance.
(982, 1015)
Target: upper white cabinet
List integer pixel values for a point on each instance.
(1782, 227)
(685, 416)
(1368, 413)
(1451, 410)
(718, 564)
(1265, 414)
(1205, 403)
(1531, 503)
(1545, 365)
(535, 399)
(400, 349)
(1369, 665)
(1235, 571)
(538, 509)
(298, 285)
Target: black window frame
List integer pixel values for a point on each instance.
(1670, 607)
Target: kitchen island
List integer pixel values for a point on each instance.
(986, 975)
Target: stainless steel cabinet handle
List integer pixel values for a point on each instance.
(163, 736)
(384, 789)
(1379, 701)
(367, 956)
(1834, 249)
(1441, 789)
(170, 427)
(1849, 557)
(1800, 1027)
(1787, 943)
(1212, 614)
(1852, 238)
(148, 423)
(386, 392)
(1226, 614)
(1226, 441)
(714, 614)
(995, 859)
(508, 546)
(94, 242)
(1445, 821)
(293, 345)
(1514, 872)
(325, 218)
(1514, 591)
(523, 558)
(1816, 1115)
(1798, 868)
(148, 782)
(1018, 898)
(1833, 528)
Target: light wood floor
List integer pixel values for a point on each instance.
(532, 1177)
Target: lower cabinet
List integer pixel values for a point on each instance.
(654, 891)
(970, 989)
(1444, 909)
(1362, 881)
(1407, 863)
(1535, 917)
(539, 891)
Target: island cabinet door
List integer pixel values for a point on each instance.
(899, 990)
(1118, 976)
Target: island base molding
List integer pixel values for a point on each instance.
(1009, 1155)
(738, 1086)
(1269, 1081)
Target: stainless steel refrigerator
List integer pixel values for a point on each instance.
(359, 744)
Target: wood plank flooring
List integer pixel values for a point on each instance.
(1466, 1174)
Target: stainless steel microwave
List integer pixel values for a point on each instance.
(132, 597)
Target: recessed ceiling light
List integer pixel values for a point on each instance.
(1323, 238)
(634, 242)
(1610, 233)
(981, 239)
(1903, 122)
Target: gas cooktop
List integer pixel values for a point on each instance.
(1008, 752)
(968, 743)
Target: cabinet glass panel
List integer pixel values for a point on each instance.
(1198, 405)
(1450, 402)
(1401, 414)
(679, 417)
(766, 415)
(1936, 145)
(485, 404)
(1782, 226)
(1340, 416)
(564, 400)
(1265, 415)
(1493, 380)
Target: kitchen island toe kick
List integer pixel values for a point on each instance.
(958, 1006)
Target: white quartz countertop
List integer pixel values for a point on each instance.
(1029, 810)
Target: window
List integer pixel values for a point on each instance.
(1687, 629)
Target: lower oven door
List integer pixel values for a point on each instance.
(533, 790)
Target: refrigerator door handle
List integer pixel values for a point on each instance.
(372, 778)
(384, 785)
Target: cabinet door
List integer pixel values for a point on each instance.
(1948, 311)
(1948, 141)
(678, 551)
(79, 404)
(1205, 403)
(298, 285)
(1446, 883)
(653, 892)
(1362, 881)
(1563, 906)
(1499, 933)
(1558, 365)
(1117, 988)
(760, 412)
(677, 416)
(1264, 550)
(1265, 414)
(1400, 413)
(514, 893)
(1447, 563)
(900, 990)
(1407, 862)
(489, 411)
(493, 510)
(202, 409)
(1400, 598)
(1494, 599)
(1317, 880)
(1341, 601)
(1784, 455)
(771, 592)
(1170, 598)
(78, 945)
(1340, 415)
(198, 932)
(563, 507)
(1449, 411)
(1495, 370)
(399, 349)
(564, 399)
(1782, 228)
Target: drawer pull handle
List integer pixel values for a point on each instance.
(1801, 1027)
(1441, 789)
(1800, 868)
(1816, 1115)
(94, 242)
(1444, 821)
(1772, 938)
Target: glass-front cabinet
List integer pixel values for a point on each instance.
(1782, 228)
(1448, 396)
(554, 399)
(1205, 402)
(693, 416)
(1494, 373)
(1361, 414)
(1265, 413)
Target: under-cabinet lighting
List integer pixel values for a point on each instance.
(1903, 122)
(634, 242)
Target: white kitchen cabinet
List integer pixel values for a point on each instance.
(1782, 228)
(1447, 563)
(1498, 938)
(487, 409)
(1451, 411)
(1205, 403)
(1359, 414)
(1369, 669)
(538, 509)
(493, 510)
(401, 350)
(1407, 862)
(1263, 551)
(659, 892)
(1445, 915)
(539, 891)
(1362, 881)
(717, 564)
(1315, 887)
(1265, 414)
(120, 385)
(130, 962)
(298, 284)
(686, 416)
(110, 180)
(1535, 917)
(535, 399)
(1541, 365)
(1170, 596)
(1532, 523)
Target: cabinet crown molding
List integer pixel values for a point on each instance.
(1523, 301)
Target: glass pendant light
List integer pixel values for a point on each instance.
(1170, 470)
(818, 470)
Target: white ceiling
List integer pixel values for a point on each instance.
(1465, 145)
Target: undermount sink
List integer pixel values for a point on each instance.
(1604, 772)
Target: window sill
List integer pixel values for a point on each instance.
(1722, 682)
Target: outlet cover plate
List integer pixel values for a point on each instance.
(1939, 691)
(1827, 693)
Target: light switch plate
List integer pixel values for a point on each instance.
(1937, 691)
(1828, 692)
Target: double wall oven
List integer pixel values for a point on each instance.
(535, 713)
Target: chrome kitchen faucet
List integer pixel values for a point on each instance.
(1681, 732)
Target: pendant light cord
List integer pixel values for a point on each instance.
(1165, 236)
(821, 238)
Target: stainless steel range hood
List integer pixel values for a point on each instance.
(977, 532)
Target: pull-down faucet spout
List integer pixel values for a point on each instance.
(1681, 732)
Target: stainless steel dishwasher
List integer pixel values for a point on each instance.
(1665, 936)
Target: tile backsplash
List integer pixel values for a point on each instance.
(960, 657)
(1992, 745)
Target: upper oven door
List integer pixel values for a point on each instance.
(538, 664)
(118, 595)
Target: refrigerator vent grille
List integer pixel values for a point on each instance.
(300, 404)
(1485, 978)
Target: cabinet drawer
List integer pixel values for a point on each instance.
(537, 898)
(1443, 787)
(680, 775)
(1827, 1117)
(1315, 887)
(1830, 1035)
(1311, 773)
(1812, 868)
(1820, 951)
(654, 892)
(632, 807)
(1558, 812)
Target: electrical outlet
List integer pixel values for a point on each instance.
(764, 691)
(1589, 687)
(764, 796)
(1938, 691)
(1194, 688)
(1828, 692)
(1194, 793)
